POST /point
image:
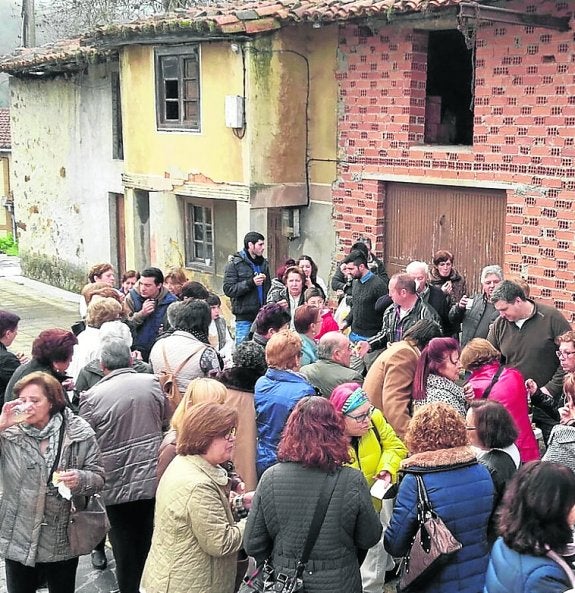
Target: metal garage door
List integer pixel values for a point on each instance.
(420, 219)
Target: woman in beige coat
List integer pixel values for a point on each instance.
(196, 540)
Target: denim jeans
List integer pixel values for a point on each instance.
(61, 576)
(132, 524)
(242, 331)
(353, 337)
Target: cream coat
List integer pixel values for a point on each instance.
(196, 540)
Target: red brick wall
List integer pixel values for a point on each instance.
(524, 133)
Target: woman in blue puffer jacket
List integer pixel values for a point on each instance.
(537, 515)
(277, 393)
(460, 491)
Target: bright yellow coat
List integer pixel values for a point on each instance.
(376, 456)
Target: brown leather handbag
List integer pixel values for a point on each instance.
(432, 545)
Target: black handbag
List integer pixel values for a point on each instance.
(88, 524)
(432, 545)
(265, 578)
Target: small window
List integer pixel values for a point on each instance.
(178, 88)
(199, 235)
(448, 109)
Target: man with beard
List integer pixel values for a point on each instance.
(246, 283)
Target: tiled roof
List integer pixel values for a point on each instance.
(252, 17)
(244, 17)
(5, 139)
(60, 56)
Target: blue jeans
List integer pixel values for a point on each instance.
(242, 331)
(353, 337)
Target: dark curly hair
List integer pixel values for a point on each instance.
(313, 435)
(250, 355)
(535, 507)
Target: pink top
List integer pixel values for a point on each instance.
(328, 324)
(510, 391)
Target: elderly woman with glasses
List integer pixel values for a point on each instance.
(196, 538)
(377, 451)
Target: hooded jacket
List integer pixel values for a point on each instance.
(240, 288)
(461, 493)
(34, 517)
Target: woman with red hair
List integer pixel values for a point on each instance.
(51, 353)
(313, 451)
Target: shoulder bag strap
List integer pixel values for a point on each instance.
(493, 381)
(568, 570)
(184, 362)
(318, 517)
(423, 504)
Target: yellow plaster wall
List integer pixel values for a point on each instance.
(277, 83)
(214, 152)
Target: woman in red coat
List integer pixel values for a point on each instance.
(506, 386)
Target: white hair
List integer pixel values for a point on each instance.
(416, 265)
(115, 330)
(492, 269)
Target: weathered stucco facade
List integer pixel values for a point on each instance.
(63, 172)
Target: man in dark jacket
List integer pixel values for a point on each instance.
(128, 413)
(246, 283)
(476, 313)
(432, 295)
(9, 362)
(148, 302)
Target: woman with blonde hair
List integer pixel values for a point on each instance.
(490, 379)
(196, 538)
(99, 312)
(276, 394)
(200, 390)
(460, 491)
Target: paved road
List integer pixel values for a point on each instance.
(42, 307)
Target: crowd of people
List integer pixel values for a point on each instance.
(209, 450)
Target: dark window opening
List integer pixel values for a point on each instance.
(178, 87)
(448, 110)
(199, 235)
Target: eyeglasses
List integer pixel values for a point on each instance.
(564, 353)
(231, 434)
(470, 428)
(361, 418)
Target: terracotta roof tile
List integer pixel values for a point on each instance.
(239, 17)
(5, 138)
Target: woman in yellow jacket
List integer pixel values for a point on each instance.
(377, 452)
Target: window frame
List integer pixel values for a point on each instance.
(190, 241)
(181, 53)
